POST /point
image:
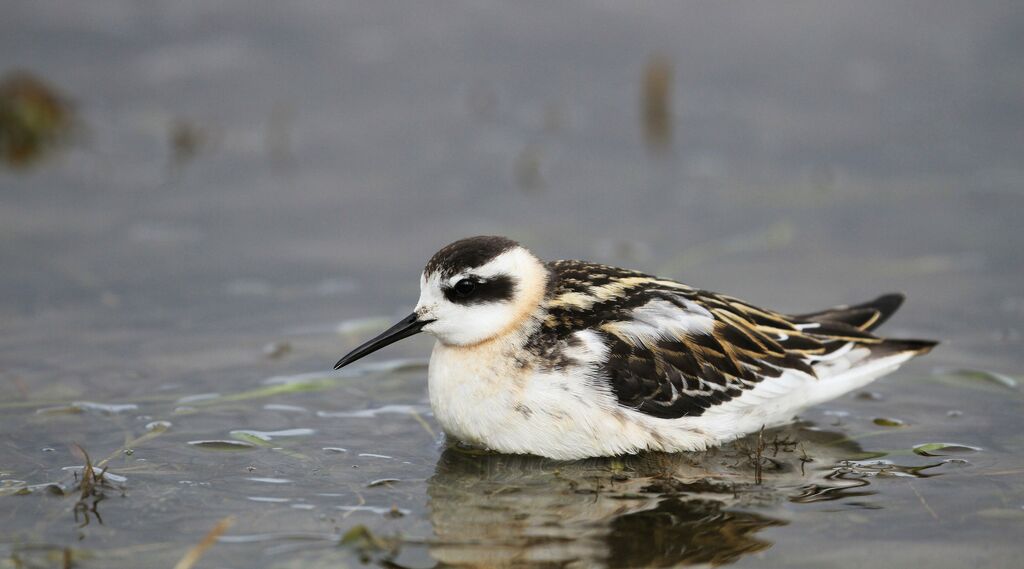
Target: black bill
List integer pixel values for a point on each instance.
(407, 327)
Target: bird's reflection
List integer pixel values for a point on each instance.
(651, 510)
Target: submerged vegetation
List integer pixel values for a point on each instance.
(657, 102)
(91, 486)
(35, 119)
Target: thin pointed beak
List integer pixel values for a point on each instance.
(409, 326)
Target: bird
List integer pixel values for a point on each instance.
(570, 359)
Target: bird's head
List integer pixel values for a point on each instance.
(472, 291)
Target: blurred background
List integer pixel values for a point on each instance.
(198, 195)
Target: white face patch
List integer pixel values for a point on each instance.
(467, 324)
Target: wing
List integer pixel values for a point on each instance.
(675, 351)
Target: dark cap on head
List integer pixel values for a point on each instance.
(468, 253)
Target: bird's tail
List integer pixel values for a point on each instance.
(864, 317)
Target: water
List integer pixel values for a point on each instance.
(254, 188)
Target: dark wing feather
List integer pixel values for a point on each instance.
(866, 316)
(680, 373)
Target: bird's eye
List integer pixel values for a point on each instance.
(464, 288)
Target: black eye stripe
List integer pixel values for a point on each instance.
(498, 289)
(465, 287)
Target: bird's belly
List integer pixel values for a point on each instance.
(493, 403)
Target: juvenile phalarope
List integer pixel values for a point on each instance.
(569, 359)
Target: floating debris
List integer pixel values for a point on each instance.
(91, 485)
(382, 482)
(764, 452)
(193, 555)
(88, 406)
(373, 509)
(657, 102)
(35, 119)
(370, 547)
(108, 476)
(888, 422)
(267, 436)
(270, 480)
(943, 449)
(264, 537)
(268, 499)
(859, 469)
(105, 408)
(197, 397)
(223, 445)
(337, 450)
(285, 408)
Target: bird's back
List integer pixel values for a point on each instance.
(671, 351)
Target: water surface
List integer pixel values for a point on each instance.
(253, 189)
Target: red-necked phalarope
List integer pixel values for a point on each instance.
(568, 359)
